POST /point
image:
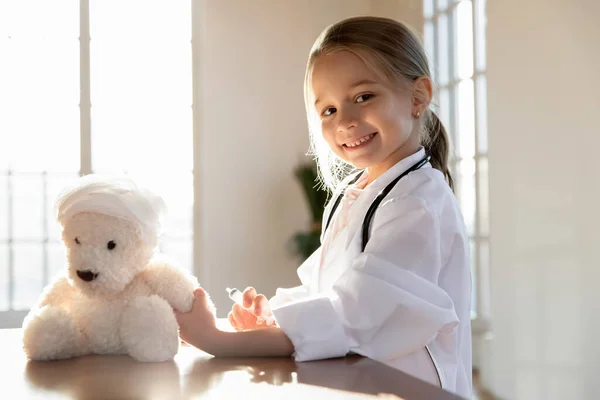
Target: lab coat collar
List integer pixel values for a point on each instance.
(396, 170)
(359, 209)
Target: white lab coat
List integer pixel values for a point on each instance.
(405, 300)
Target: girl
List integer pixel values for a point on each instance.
(391, 280)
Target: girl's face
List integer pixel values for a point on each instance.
(366, 122)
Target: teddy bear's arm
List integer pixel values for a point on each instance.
(172, 284)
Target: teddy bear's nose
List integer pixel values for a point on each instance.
(87, 275)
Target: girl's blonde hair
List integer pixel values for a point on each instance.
(392, 48)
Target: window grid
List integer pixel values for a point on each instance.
(11, 175)
(11, 240)
(12, 315)
(444, 10)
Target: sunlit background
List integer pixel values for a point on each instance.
(140, 116)
(139, 122)
(124, 105)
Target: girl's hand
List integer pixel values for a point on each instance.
(198, 327)
(255, 314)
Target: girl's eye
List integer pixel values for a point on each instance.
(364, 97)
(328, 111)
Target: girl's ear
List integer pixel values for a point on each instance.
(422, 94)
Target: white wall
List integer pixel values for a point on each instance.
(254, 133)
(407, 11)
(543, 102)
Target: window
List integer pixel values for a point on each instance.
(455, 43)
(121, 102)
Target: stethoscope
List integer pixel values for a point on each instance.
(371, 211)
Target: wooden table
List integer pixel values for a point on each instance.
(196, 375)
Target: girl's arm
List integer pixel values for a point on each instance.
(269, 342)
(198, 328)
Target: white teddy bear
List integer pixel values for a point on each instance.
(115, 297)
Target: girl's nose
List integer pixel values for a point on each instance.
(347, 120)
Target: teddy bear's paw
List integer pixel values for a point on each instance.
(50, 334)
(149, 330)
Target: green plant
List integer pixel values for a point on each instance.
(305, 243)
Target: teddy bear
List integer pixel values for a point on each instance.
(117, 294)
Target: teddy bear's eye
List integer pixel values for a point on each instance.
(77, 241)
(111, 245)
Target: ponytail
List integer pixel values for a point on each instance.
(437, 145)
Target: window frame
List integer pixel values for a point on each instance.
(480, 238)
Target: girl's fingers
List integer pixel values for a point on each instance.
(239, 319)
(248, 296)
(261, 306)
(243, 317)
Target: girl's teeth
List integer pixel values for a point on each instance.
(361, 141)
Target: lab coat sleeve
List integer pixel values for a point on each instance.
(387, 304)
(286, 295)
